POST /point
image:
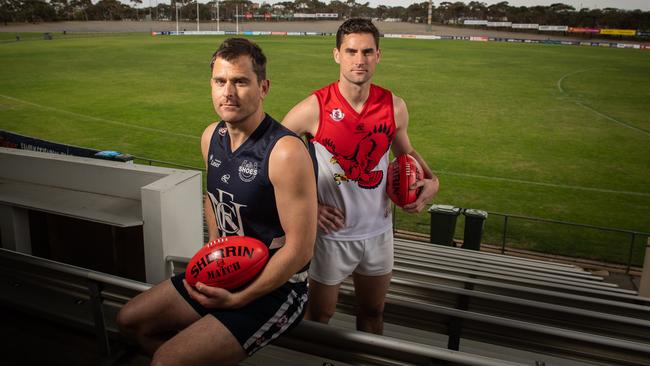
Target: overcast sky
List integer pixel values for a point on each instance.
(621, 4)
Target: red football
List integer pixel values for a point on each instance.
(229, 262)
(403, 171)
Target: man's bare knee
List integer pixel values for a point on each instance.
(319, 314)
(126, 320)
(131, 324)
(322, 301)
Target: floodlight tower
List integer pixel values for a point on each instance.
(197, 15)
(429, 16)
(176, 8)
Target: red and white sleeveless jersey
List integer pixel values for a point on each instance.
(352, 153)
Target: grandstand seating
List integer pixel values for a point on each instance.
(90, 300)
(461, 306)
(422, 258)
(548, 308)
(542, 308)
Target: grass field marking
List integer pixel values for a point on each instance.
(594, 110)
(559, 82)
(98, 119)
(563, 186)
(603, 115)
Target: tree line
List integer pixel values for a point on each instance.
(444, 13)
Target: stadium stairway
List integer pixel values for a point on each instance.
(441, 299)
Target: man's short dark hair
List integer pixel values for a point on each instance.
(232, 48)
(356, 25)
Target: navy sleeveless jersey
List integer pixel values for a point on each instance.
(238, 184)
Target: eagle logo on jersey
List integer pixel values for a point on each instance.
(337, 115)
(359, 165)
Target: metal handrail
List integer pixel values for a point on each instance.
(570, 223)
(342, 338)
(515, 325)
(633, 233)
(597, 315)
(70, 269)
(149, 161)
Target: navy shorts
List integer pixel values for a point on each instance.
(260, 321)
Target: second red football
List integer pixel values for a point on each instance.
(403, 171)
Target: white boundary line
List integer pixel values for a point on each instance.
(98, 119)
(520, 181)
(559, 82)
(603, 115)
(593, 110)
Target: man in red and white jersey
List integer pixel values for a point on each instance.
(351, 125)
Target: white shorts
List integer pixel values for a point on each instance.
(335, 260)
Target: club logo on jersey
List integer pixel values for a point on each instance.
(360, 164)
(248, 171)
(228, 213)
(214, 162)
(223, 131)
(282, 321)
(225, 178)
(260, 340)
(337, 115)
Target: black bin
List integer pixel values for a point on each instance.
(474, 222)
(443, 224)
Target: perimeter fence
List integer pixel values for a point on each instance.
(623, 248)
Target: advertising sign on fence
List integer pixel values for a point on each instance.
(475, 22)
(410, 36)
(553, 28)
(202, 33)
(316, 15)
(583, 30)
(12, 140)
(525, 26)
(499, 24)
(16, 141)
(619, 32)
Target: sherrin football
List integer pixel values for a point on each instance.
(229, 262)
(403, 171)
